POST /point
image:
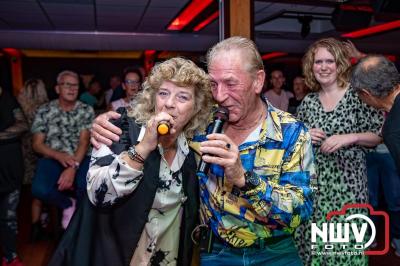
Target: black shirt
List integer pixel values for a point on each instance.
(293, 104)
(391, 132)
(11, 160)
(7, 106)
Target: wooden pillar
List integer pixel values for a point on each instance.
(237, 18)
(16, 69)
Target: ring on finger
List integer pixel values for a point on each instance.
(227, 146)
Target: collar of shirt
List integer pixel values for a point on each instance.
(56, 103)
(271, 128)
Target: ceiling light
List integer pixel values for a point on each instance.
(149, 52)
(273, 55)
(11, 51)
(373, 30)
(194, 8)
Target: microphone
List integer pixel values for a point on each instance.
(221, 115)
(163, 127)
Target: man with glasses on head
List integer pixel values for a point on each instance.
(61, 135)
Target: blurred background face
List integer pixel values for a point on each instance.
(131, 84)
(299, 87)
(68, 88)
(95, 88)
(115, 82)
(277, 79)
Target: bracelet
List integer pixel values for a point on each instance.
(134, 155)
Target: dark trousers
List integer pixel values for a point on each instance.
(8, 223)
(382, 171)
(45, 187)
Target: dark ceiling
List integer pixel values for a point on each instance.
(132, 25)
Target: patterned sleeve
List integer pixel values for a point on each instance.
(302, 110)
(305, 108)
(39, 124)
(87, 119)
(289, 202)
(109, 177)
(369, 119)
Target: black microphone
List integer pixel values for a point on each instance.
(221, 115)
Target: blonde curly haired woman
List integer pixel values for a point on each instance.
(145, 184)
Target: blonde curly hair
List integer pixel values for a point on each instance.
(183, 73)
(340, 54)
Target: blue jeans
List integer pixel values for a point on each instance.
(381, 170)
(45, 187)
(282, 253)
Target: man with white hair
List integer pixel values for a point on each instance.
(61, 135)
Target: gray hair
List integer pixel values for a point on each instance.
(64, 73)
(376, 74)
(253, 59)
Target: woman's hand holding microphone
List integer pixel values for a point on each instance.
(159, 125)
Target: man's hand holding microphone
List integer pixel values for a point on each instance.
(220, 149)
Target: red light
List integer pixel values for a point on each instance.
(392, 58)
(206, 21)
(11, 51)
(273, 55)
(367, 9)
(373, 30)
(188, 14)
(149, 52)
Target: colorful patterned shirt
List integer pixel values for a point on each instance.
(281, 156)
(62, 129)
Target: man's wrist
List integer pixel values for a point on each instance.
(241, 182)
(75, 166)
(251, 181)
(55, 155)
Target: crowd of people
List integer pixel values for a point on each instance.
(282, 161)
